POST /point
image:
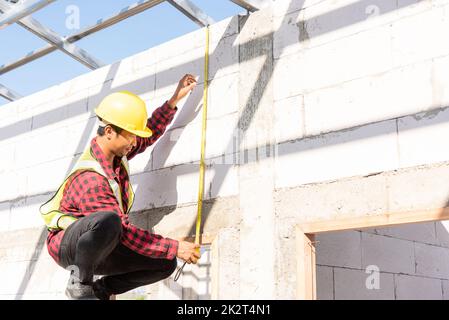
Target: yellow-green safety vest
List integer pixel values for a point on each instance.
(50, 210)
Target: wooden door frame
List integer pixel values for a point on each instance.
(305, 239)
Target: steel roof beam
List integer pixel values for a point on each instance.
(61, 43)
(101, 24)
(21, 10)
(54, 39)
(9, 94)
(252, 5)
(193, 12)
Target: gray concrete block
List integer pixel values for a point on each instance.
(445, 284)
(93, 78)
(388, 254)
(341, 249)
(407, 49)
(179, 221)
(419, 232)
(25, 212)
(56, 112)
(224, 58)
(440, 79)
(432, 261)
(96, 93)
(178, 146)
(45, 276)
(16, 189)
(170, 70)
(409, 189)
(351, 60)
(24, 237)
(5, 211)
(225, 265)
(16, 253)
(165, 187)
(321, 22)
(289, 122)
(351, 285)
(81, 134)
(140, 82)
(38, 181)
(14, 126)
(257, 249)
(222, 181)
(324, 107)
(282, 8)
(324, 283)
(7, 162)
(285, 267)
(343, 198)
(414, 131)
(417, 288)
(352, 152)
(12, 274)
(442, 233)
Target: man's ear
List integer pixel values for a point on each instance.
(108, 131)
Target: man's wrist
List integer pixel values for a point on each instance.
(65, 221)
(172, 103)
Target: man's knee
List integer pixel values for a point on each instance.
(108, 221)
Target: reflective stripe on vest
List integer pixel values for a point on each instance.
(50, 210)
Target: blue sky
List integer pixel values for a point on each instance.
(138, 33)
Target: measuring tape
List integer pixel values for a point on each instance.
(203, 151)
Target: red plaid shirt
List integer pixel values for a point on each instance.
(87, 192)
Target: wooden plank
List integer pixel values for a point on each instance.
(306, 266)
(379, 220)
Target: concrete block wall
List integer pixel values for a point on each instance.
(317, 109)
(360, 131)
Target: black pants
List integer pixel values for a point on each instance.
(92, 245)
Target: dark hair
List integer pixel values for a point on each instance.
(100, 130)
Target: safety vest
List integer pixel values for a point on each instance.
(50, 210)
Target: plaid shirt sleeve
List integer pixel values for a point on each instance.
(157, 123)
(93, 193)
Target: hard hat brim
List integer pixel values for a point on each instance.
(142, 133)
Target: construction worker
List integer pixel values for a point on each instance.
(87, 218)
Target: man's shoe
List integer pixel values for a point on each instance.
(78, 291)
(100, 290)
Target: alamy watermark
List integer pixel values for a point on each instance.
(372, 11)
(372, 282)
(72, 21)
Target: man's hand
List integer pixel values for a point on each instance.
(65, 221)
(185, 85)
(188, 252)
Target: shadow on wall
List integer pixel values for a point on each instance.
(187, 112)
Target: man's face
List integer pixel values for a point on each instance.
(121, 143)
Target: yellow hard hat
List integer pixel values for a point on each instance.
(125, 110)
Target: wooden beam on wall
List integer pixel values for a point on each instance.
(376, 220)
(306, 266)
(305, 239)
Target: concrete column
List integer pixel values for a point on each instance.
(255, 136)
(225, 265)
